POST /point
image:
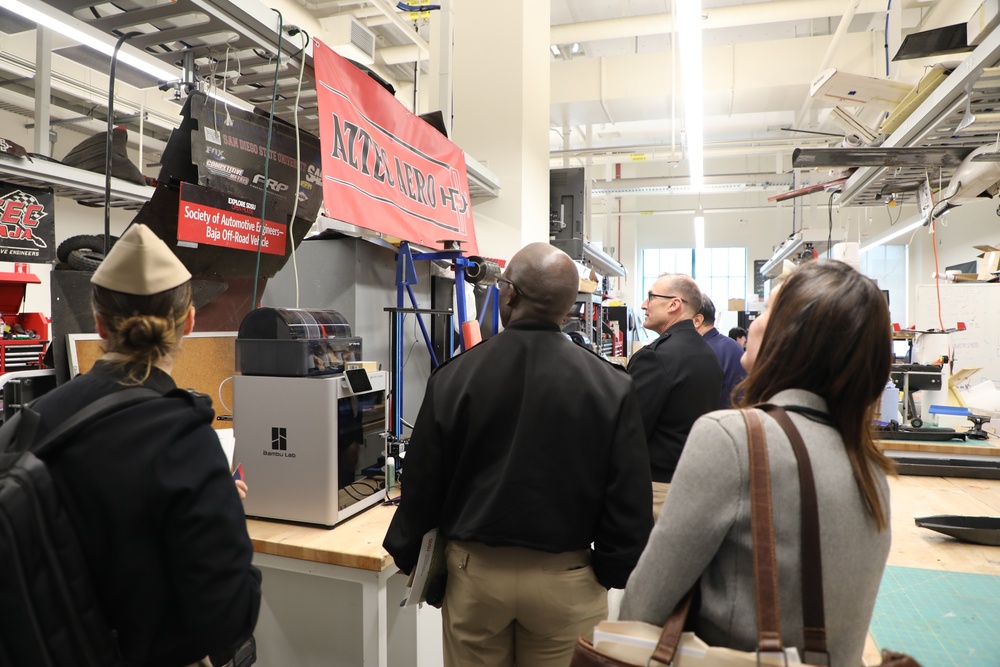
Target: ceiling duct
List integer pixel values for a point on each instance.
(350, 38)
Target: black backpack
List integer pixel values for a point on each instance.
(51, 615)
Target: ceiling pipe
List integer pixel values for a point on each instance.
(658, 153)
(687, 212)
(659, 182)
(717, 17)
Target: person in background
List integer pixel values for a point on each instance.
(726, 349)
(739, 334)
(148, 487)
(822, 352)
(527, 449)
(677, 376)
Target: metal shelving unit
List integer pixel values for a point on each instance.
(933, 123)
(82, 186)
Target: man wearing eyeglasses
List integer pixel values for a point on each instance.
(527, 449)
(677, 377)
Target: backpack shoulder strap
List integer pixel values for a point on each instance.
(117, 400)
(8, 433)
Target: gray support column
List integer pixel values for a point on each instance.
(43, 90)
(501, 108)
(439, 80)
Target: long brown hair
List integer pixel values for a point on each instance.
(142, 330)
(829, 333)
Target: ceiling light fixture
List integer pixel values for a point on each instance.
(554, 49)
(84, 34)
(688, 30)
(893, 233)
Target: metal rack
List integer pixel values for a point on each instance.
(82, 186)
(933, 123)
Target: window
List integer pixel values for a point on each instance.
(720, 272)
(886, 264)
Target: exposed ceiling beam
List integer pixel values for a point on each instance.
(717, 17)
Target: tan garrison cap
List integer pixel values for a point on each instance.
(140, 263)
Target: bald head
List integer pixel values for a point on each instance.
(546, 280)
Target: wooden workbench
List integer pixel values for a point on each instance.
(989, 447)
(356, 543)
(331, 597)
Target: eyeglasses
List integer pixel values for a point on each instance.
(652, 295)
(513, 286)
(508, 282)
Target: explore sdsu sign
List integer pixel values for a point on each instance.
(385, 169)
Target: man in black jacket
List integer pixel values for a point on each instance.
(677, 377)
(527, 449)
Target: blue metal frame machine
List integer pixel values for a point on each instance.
(406, 278)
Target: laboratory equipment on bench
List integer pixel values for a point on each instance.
(915, 377)
(306, 432)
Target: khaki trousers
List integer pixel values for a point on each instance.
(659, 495)
(507, 606)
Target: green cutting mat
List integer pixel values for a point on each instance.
(943, 619)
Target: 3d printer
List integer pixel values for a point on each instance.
(305, 430)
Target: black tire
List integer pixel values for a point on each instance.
(93, 242)
(85, 260)
(917, 422)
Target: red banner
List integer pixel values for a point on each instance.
(213, 217)
(385, 169)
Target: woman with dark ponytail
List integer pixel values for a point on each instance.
(148, 487)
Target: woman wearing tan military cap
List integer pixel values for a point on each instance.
(148, 487)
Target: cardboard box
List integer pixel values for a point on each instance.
(989, 261)
(738, 305)
(588, 286)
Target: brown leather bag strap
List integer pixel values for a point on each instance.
(765, 561)
(670, 638)
(813, 614)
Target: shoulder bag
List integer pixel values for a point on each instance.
(677, 648)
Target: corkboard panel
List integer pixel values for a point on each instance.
(205, 360)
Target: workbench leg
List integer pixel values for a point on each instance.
(373, 621)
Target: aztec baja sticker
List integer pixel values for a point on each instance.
(27, 224)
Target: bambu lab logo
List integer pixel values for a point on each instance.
(279, 438)
(279, 443)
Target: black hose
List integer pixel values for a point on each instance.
(107, 145)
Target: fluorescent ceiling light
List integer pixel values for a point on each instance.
(699, 228)
(689, 32)
(604, 263)
(554, 49)
(85, 35)
(893, 233)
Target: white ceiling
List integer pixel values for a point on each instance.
(613, 95)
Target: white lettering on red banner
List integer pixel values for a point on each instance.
(385, 169)
(202, 223)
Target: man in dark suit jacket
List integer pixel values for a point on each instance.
(527, 449)
(677, 377)
(728, 350)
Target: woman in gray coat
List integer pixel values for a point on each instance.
(822, 351)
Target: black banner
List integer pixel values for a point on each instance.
(27, 224)
(230, 147)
